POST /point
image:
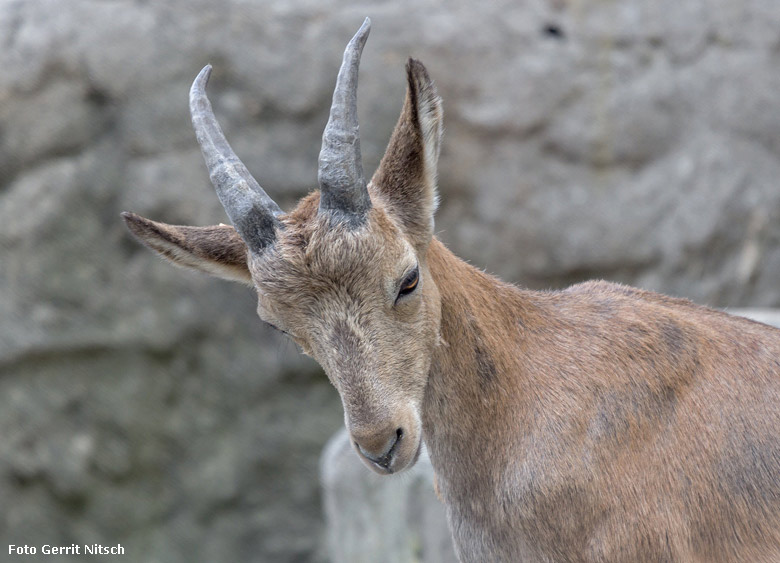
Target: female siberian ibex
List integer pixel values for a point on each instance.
(599, 423)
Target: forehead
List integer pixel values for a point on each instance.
(313, 256)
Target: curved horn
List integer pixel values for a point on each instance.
(252, 212)
(342, 184)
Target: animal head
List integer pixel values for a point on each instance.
(344, 274)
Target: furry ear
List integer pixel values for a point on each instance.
(406, 177)
(217, 250)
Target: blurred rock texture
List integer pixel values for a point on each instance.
(637, 141)
(371, 518)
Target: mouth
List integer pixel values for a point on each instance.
(389, 463)
(385, 460)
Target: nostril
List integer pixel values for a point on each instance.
(399, 433)
(386, 456)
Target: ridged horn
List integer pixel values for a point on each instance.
(342, 184)
(252, 212)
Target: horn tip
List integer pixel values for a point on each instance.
(362, 33)
(202, 79)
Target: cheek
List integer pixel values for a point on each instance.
(433, 306)
(429, 314)
(413, 354)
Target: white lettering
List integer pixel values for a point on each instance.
(98, 549)
(72, 549)
(21, 550)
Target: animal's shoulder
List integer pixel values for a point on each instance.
(602, 289)
(626, 314)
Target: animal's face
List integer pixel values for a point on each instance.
(344, 274)
(361, 301)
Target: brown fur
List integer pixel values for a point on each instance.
(599, 423)
(217, 249)
(622, 426)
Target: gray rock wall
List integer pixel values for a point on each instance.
(636, 141)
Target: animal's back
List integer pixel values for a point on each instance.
(654, 433)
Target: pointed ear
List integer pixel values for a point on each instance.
(217, 250)
(406, 177)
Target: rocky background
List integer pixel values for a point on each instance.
(632, 140)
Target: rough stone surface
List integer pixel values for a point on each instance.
(636, 141)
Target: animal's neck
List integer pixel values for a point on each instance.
(474, 377)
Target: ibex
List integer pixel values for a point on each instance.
(598, 423)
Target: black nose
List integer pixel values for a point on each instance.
(383, 455)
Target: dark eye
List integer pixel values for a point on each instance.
(410, 283)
